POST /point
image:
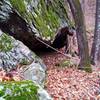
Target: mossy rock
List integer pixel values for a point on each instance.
(46, 15)
(5, 43)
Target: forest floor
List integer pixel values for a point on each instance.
(64, 80)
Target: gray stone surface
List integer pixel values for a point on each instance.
(31, 65)
(43, 95)
(34, 72)
(14, 53)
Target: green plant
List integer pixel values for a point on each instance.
(19, 5)
(24, 90)
(65, 63)
(24, 62)
(5, 43)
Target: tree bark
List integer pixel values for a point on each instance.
(78, 16)
(95, 52)
(83, 5)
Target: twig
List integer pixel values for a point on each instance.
(52, 47)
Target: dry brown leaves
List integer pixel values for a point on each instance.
(70, 83)
(13, 75)
(73, 84)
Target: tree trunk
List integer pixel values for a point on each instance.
(81, 34)
(95, 52)
(83, 5)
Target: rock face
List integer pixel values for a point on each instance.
(32, 20)
(14, 53)
(35, 73)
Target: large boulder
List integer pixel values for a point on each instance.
(34, 72)
(32, 21)
(14, 54)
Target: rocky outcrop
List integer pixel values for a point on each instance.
(14, 54)
(38, 21)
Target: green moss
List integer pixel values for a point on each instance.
(88, 68)
(19, 5)
(5, 43)
(49, 17)
(46, 18)
(65, 63)
(24, 61)
(24, 90)
(85, 66)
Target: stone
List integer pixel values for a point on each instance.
(34, 72)
(14, 53)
